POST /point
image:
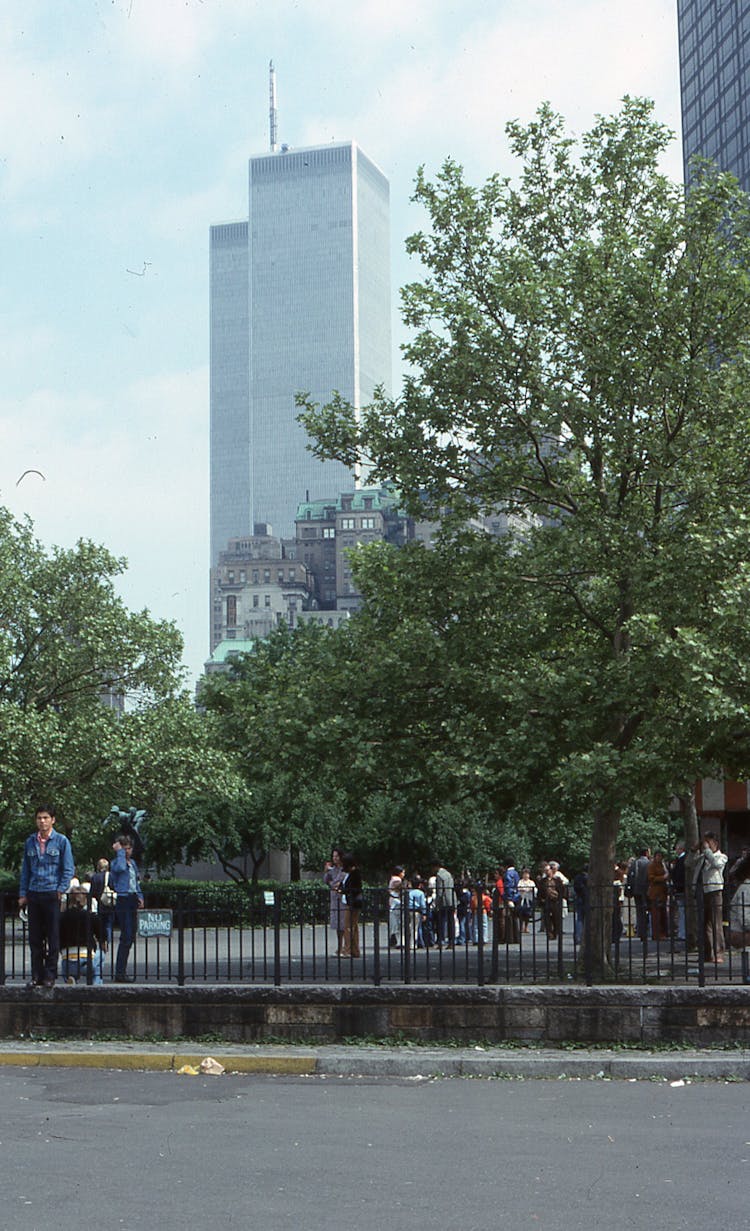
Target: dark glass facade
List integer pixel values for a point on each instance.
(714, 40)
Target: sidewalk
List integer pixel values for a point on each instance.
(408, 1063)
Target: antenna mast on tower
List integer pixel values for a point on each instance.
(273, 114)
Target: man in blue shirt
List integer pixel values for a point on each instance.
(46, 872)
(123, 874)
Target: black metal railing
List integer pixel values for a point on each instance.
(284, 937)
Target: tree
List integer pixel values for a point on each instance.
(580, 362)
(347, 736)
(66, 643)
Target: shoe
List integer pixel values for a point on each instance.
(33, 983)
(49, 982)
(124, 979)
(70, 980)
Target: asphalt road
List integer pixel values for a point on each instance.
(162, 1151)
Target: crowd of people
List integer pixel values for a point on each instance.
(648, 901)
(658, 889)
(441, 911)
(73, 917)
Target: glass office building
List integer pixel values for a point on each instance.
(714, 37)
(300, 302)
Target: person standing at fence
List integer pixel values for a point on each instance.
(657, 896)
(677, 877)
(417, 910)
(395, 890)
(82, 942)
(510, 885)
(351, 891)
(127, 885)
(526, 896)
(104, 895)
(552, 904)
(445, 905)
(636, 887)
(333, 874)
(481, 907)
(710, 874)
(46, 872)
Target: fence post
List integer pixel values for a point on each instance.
(376, 939)
(406, 934)
(89, 941)
(495, 959)
(180, 941)
(479, 918)
(700, 928)
(2, 933)
(277, 938)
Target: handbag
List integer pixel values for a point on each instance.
(107, 897)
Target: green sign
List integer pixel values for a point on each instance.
(154, 923)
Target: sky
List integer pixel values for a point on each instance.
(126, 129)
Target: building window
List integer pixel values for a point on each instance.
(256, 600)
(256, 576)
(329, 532)
(280, 576)
(231, 611)
(268, 600)
(266, 574)
(348, 523)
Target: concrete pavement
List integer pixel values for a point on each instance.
(388, 1062)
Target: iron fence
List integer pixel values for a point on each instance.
(286, 938)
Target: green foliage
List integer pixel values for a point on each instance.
(579, 364)
(66, 640)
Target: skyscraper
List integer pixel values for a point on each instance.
(300, 302)
(714, 37)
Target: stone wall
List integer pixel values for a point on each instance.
(543, 1015)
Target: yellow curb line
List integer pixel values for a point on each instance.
(154, 1062)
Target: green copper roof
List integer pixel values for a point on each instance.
(382, 498)
(225, 649)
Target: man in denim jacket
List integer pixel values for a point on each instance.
(46, 872)
(126, 883)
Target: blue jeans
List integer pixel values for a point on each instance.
(125, 914)
(44, 934)
(75, 968)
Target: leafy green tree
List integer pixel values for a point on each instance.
(580, 362)
(66, 642)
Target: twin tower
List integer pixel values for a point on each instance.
(300, 301)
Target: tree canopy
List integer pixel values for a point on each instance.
(68, 645)
(579, 361)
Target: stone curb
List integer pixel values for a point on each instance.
(400, 1063)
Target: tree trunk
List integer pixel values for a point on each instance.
(598, 923)
(690, 816)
